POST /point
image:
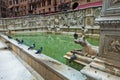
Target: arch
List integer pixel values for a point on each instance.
(75, 5)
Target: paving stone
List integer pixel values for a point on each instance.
(12, 69)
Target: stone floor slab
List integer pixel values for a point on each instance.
(12, 69)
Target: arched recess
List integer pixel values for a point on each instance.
(75, 5)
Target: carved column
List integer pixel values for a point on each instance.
(106, 66)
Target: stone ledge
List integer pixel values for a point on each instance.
(80, 58)
(47, 67)
(96, 74)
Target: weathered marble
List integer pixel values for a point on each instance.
(108, 60)
(70, 19)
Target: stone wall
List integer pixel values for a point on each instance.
(53, 22)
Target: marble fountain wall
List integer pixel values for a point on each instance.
(53, 22)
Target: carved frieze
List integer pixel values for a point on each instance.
(70, 19)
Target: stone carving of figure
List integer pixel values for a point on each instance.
(88, 49)
(114, 46)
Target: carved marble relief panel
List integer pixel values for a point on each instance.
(26, 22)
(11, 24)
(112, 7)
(62, 20)
(65, 19)
(1, 22)
(18, 23)
(80, 18)
(72, 19)
(115, 3)
(2, 25)
(97, 12)
(31, 22)
(111, 48)
(38, 22)
(56, 20)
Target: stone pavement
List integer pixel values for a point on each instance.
(2, 45)
(11, 68)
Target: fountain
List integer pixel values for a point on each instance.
(106, 66)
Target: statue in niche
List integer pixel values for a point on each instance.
(97, 12)
(56, 21)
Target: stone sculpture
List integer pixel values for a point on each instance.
(88, 49)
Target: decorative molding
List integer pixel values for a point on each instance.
(111, 7)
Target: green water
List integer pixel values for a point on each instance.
(53, 45)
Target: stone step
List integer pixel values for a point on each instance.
(84, 60)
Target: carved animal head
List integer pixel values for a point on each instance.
(81, 41)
